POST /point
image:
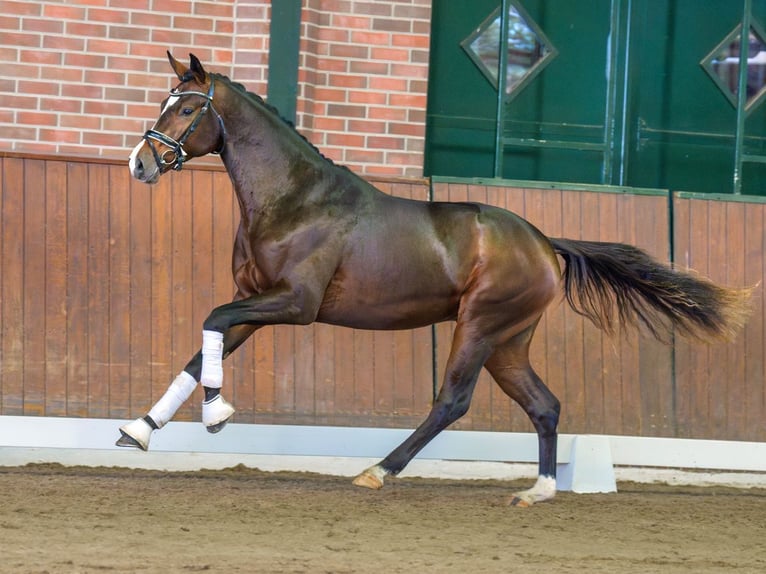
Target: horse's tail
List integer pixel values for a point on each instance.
(599, 277)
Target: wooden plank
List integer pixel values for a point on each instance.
(98, 291)
(119, 292)
(682, 350)
(140, 298)
(718, 252)
(324, 373)
(581, 220)
(34, 274)
(12, 286)
(700, 363)
(753, 336)
(77, 290)
(162, 288)
(55, 288)
(304, 378)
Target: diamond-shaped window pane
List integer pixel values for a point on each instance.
(528, 48)
(723, 66)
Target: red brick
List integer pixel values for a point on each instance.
(82, 91)
(64, 43)
(390, 54)
(366, 126)
(84, 60)
(410, 40)
(61, 75)
(224, 27)
(404, 158)
(387, 113)
(367, 97)
(131, 4)
(382, 142)
(46, 26)
(348, 21)
(359, 67)
(86, 29)
(391, 25)
(38, 88)
(81, 122)
(422, 13)
(171, 37)
(131, 33)
(21, 71)
(332, 65)
(200, 39)
(346, 111)
(193, 23)
(329, 94)
(40, 57)
(61, 105)
(151, 20)
(126, 126)
(63, 12)
(107, 46)
(103, 139)
(344, 140)
(409, 71)
(408, 129)
(363, 156)
(386, 84)
(105, 77)
(21, 8)
(371, 38)
(22, 39)
(349, 51)
(334, 35)
(217, 9)
(60, 136)
(36, 118)
(408, 100)
(16, 132)
(126, 63)
(373, 8)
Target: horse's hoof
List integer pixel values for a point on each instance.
(519, 502)
(216, 413)
(135, 434)
(371, 478)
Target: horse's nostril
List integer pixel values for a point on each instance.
(139, 171)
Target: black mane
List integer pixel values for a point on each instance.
(258, 100)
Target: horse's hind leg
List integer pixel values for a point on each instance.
(215, 411)
(509, 366)
(463, 366)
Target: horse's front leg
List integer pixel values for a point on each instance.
(215, 410)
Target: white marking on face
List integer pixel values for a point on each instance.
(171, 100)
(133, 154)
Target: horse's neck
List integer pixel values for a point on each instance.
(260, 156)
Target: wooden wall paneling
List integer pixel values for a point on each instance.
(34, 287)
(201, 282)
(120, 319)
(653, 414)
(682, 358)
(55, 288)
(324, 373)
(78, 302)
(12, 239)
(161, 289)
(514, 199)
(185, 338)
(718, 249)
(735, 359)
(140, 254)
(753, 406)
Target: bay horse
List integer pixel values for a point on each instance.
(318, 243)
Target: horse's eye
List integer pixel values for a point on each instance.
(187, 111)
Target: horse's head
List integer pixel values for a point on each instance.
(189, 125)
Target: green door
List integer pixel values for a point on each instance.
(632, 92)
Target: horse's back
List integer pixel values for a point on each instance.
(409, 263)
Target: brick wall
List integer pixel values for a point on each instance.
(86, 77)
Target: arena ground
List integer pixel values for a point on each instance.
(56, 519)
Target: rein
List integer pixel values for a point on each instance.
(176, 156)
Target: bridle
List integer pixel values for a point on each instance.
(176, 156)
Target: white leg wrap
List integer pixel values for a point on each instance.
(544, 489)
(178, 392)
(212, 359)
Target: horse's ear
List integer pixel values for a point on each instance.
(196, 68)
(177, 66)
